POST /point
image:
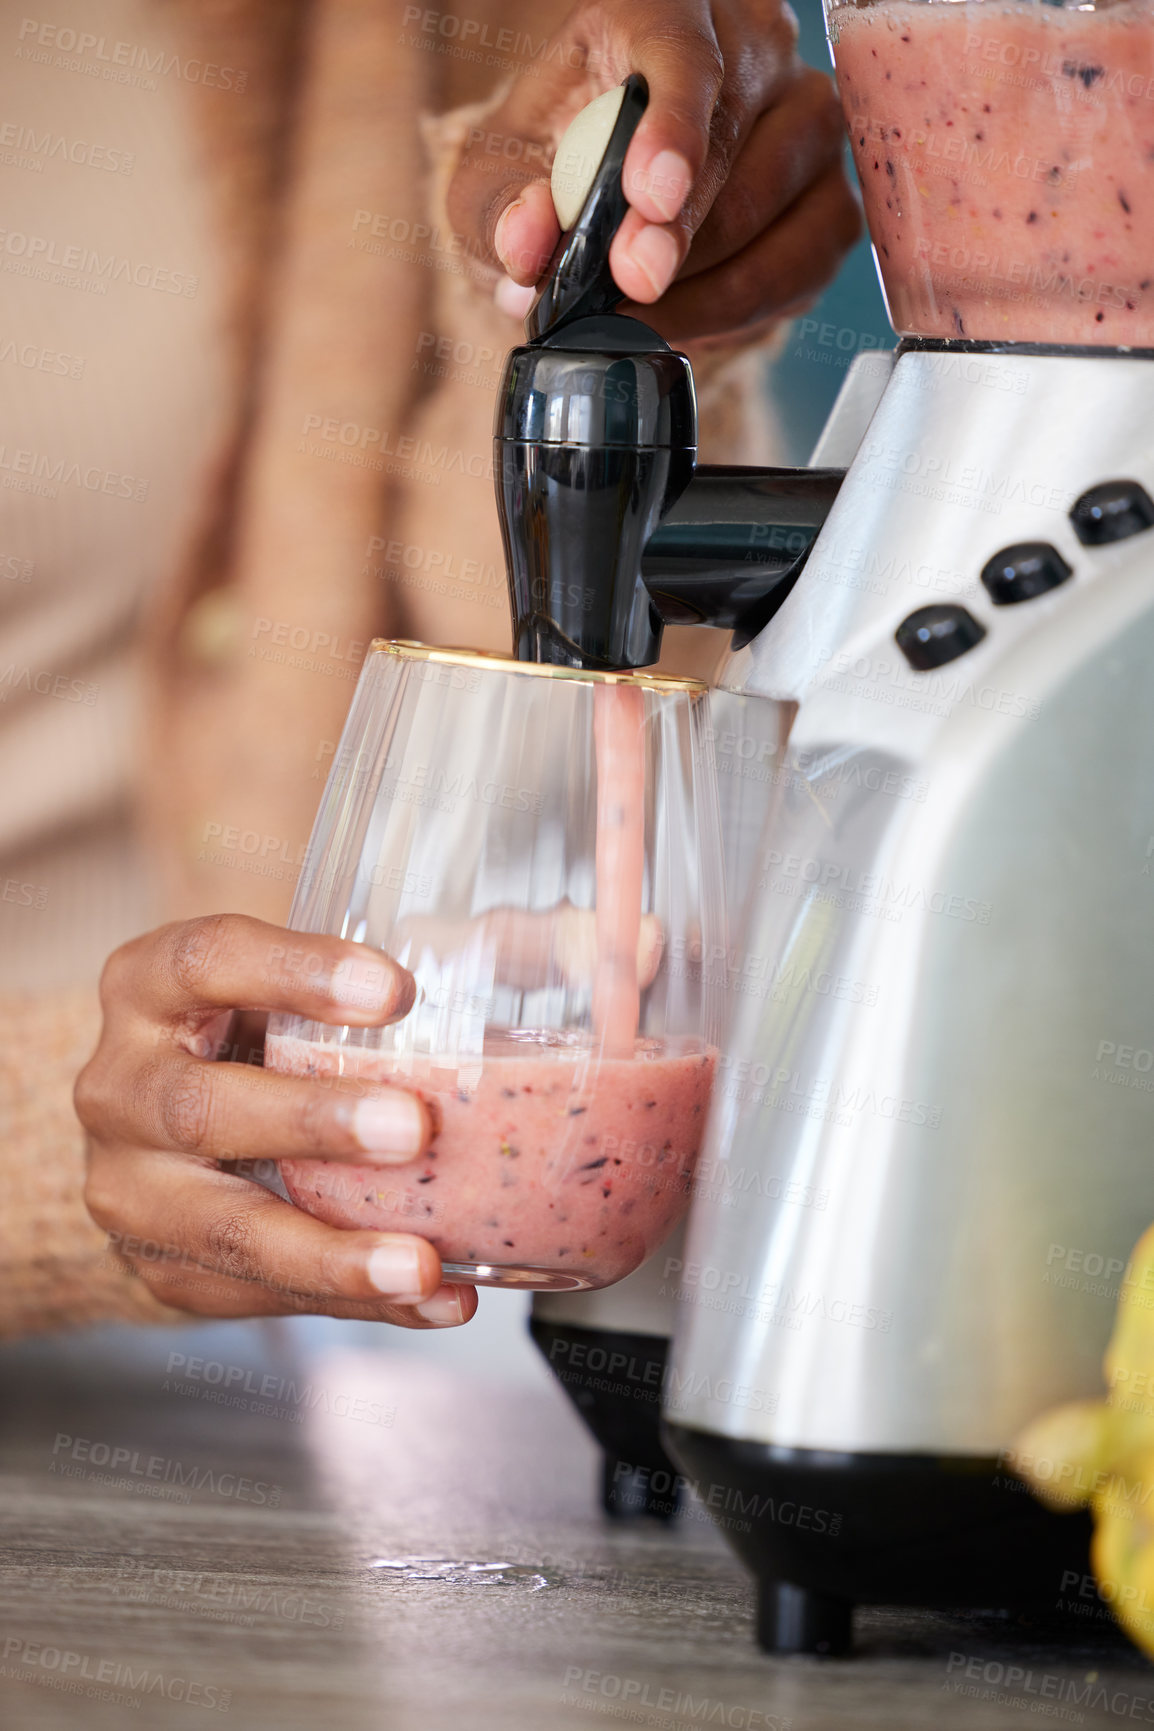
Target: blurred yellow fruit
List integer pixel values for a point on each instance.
(1101, 1454)
(1065, 1454)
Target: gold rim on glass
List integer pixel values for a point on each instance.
(505, 663)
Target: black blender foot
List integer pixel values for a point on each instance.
(794, 1620)
(628, 1491)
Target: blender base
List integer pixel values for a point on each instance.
(793, 1620)
(614, 1378)
(825, 1531)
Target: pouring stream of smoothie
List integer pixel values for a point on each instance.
(619, 737)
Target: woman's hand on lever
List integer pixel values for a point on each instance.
(740, 207)
(162, 1113)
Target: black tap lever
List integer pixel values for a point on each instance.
(578, 282)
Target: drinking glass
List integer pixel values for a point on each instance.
(540, 847)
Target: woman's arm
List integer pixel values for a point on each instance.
(57, 1268)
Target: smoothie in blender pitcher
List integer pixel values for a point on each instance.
(1006, 156)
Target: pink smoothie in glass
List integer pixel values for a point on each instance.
(545, 1158)
(1006, 155)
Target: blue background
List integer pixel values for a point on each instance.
(807, 375)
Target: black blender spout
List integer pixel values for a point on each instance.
(729, 550)
(611, 528)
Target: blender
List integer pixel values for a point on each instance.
(930, 1152)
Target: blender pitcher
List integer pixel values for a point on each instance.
(1006, 158)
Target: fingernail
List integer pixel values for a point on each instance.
(390, 1125)
(394, 1268)
(667, 180)
(363, 985)
(502, 225)
(444, 1308)
(654, 251)
(511, 298)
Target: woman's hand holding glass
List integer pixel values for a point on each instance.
(165, 1118)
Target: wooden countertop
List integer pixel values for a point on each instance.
(362, 1539)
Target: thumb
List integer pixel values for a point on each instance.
(499, 198)
(525, 231)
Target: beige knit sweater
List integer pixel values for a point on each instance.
(310, 413)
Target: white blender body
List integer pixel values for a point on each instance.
(950, 1073)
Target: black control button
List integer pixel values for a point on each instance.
(934, 635)
(1113, 511)
(1020, 572)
